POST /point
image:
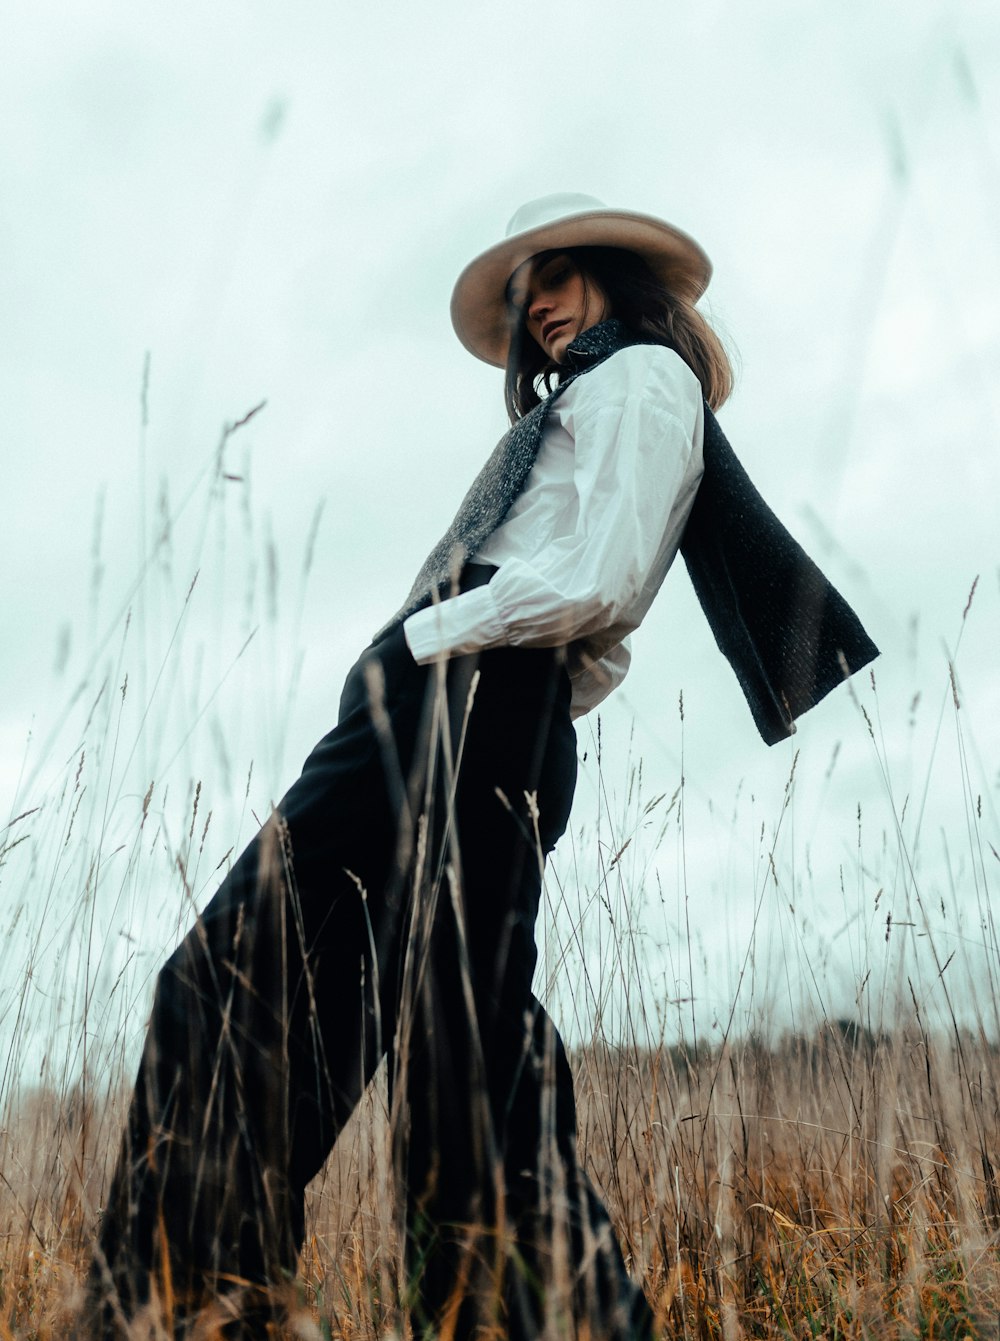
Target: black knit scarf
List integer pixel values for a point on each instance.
(787, 632)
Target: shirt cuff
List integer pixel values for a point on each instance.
(465, 623)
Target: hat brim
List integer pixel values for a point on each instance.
(479, 302)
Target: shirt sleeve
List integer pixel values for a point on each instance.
(633, 424)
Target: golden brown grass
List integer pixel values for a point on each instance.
(840, 1185)
(839, 1182)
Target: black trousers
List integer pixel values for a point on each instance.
(388, 906)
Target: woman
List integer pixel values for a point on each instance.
(389, 904)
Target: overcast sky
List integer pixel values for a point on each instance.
(206, 209)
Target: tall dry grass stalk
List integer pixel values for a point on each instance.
(838, 1179)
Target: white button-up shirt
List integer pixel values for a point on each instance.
(588, 542)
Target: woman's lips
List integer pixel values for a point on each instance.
(550, 328)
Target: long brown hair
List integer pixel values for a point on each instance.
(644, 303)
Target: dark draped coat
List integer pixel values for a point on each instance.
(786, 631)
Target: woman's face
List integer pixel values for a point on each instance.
(557, 301)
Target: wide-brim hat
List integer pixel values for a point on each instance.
(479, 310)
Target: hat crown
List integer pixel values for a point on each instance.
(549, 209)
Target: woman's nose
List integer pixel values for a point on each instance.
(539, 306)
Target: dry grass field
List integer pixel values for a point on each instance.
(838, 1185)
(826, 1177)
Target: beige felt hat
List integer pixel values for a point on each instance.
(479, 303)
